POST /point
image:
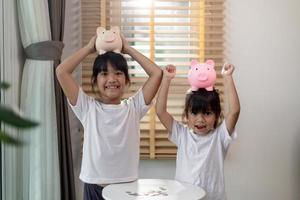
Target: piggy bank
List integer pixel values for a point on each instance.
(108, 40)
(202, 75)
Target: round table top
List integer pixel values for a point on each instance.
(150, 189)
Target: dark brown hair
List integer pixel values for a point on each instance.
(202, 101)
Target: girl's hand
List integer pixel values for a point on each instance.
(125, 44)
(91, 45)
(227, 69)
(170, 71)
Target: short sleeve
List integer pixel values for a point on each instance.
(178, 130)
(224, 135)
(139, 103)
(82, 105)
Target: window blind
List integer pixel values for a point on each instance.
(168, 32)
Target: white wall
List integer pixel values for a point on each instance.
(263, 42)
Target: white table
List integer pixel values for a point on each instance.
(153, 189)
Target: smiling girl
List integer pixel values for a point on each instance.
(111, 125)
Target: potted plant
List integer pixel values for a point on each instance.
(12, 118)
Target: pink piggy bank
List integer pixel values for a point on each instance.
(202, 75)
(108, 40)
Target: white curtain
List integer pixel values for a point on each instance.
(39, 169)
(10, 63)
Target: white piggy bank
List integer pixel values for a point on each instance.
(108, 40)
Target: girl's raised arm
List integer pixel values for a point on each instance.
(232, 98)
(154, 72)
(65, 69)
(161, 103)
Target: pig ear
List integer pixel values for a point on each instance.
(211, 63)
(194, 62)
(100, 30)
(116, 29)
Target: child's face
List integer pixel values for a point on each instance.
(201, 123)
(111, 85)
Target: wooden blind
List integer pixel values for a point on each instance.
(168, 32)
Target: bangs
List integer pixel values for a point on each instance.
(199, 105)
(117, 62)
(202, 101)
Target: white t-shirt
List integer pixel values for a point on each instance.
(200, 159)
(111, 138)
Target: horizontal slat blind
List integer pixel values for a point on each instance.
(168, 32)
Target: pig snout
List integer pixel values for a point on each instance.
(109, 38)
(202, 76)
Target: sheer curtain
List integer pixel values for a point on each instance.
(39, 167)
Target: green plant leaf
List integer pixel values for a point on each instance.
(4, 85)
(9, 116)
(5, 138)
